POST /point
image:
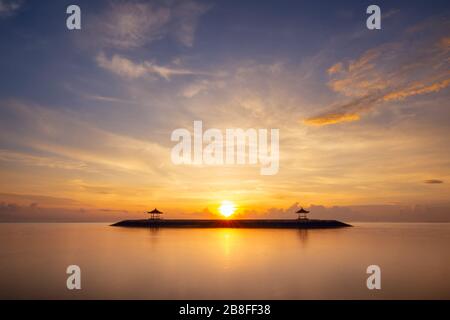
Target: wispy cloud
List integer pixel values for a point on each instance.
(417, 89)
(9, 7)
(336, 68)
(69, 142)
(204, 85)
(127, 68)
(185, 17)
(344, 112)
(101, 98)
(194, 89)
(434, 181)
(130, 25)
(40, 161)
(390, 72)
(121, 66)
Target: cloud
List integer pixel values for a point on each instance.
(392, 72)
(8, 8)
(185, 17)
(336, 68)
(360, 77)
(445, 43)
(167, 72)
(434, 181)
(61, 139)
(351, 111)
(101, 98)
(34, 200)
(346, 112)
(13, 212)
(121, 66)
(130, 25)
(332, 118)
(390, 13)
(33, 160)
(195, 88)
(52, 209)
(417, 89)
(126, 68)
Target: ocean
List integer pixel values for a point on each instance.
(127, 263)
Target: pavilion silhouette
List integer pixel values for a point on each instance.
(155, 214)
(302, 214)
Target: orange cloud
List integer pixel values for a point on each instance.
(346, 112)
(350, 111)
(331, 119)
(445, 42)
(364, 62)
(387, 73)
(417, 89)
(336, 68)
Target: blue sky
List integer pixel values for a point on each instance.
(35, 42)
(86, 115)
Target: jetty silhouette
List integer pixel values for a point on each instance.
(302, 222)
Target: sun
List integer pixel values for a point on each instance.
(227, 208)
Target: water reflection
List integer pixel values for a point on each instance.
(224, 263)
(303, 236)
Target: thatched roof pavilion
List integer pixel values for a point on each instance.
(302, 214)
(154, 214)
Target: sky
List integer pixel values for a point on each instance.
(86, 116)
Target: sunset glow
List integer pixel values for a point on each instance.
(134, 115)
(227, 208)
(212, 152)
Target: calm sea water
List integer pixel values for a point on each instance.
(121, 263)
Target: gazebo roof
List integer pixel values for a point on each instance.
(302, 211)
(155, 211)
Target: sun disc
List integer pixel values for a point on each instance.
(227, 208)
